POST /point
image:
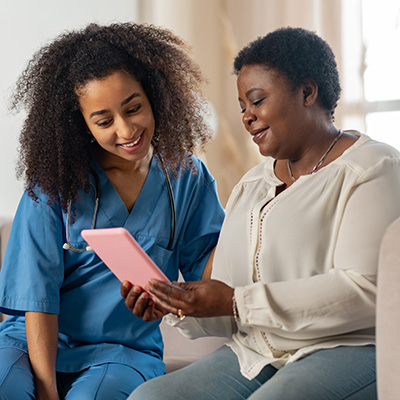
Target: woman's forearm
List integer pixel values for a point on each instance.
(42, 337)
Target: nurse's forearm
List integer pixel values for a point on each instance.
(42, 337)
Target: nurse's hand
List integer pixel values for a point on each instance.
(141, 303)
(205, 298)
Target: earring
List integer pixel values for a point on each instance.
(92, 139)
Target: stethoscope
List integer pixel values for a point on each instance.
(97, 194)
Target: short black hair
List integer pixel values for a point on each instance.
(299, 54)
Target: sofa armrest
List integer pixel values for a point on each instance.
(388, 315)
(5, 227)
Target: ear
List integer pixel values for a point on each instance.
(310, 92)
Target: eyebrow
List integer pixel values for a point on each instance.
(249, 92)
(126, 101)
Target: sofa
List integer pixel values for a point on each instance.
(388, 315)
(5, 226)
(178, 351)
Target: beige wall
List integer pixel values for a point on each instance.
(217, 30)
(25, 26)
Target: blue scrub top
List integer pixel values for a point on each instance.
(95, 326)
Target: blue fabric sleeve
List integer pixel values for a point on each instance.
(202, 226)
(33, 269)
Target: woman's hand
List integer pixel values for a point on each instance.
(141, 303)
(205, 298)
(46, 393)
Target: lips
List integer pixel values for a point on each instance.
(258, 134)
(132, 143)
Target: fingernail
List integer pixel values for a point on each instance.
(149, 288)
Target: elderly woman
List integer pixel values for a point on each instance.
(294, 274)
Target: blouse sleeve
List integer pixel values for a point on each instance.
(342, 300)
(32, 272)
(194, 328)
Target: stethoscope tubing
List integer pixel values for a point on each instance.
(97, 191)
(172, 203)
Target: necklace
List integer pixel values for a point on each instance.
(321, 160)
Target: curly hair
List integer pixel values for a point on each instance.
(299, 54)
(55, 149)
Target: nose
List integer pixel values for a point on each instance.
(125, 129)
(248, 118)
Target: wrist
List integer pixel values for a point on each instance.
(46, 390)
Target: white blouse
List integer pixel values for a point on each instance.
(304, 263)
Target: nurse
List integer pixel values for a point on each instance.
(113, 116)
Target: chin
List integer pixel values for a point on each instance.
(265, 152)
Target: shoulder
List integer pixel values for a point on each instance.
(195, 171)
(192, 184)
(35, 197)
(260, 171)
(195, 190)
(254, 184)
(262, 174)
(367, 153)
(35, 204)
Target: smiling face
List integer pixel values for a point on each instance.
(273, 112)
(119, 116)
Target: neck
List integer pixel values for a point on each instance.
(109, 161)
(313, 166)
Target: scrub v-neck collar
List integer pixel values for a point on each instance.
(114, 208)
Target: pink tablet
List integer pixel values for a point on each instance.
(123, 255)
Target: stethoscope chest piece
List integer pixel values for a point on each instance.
(68, 246)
